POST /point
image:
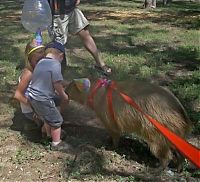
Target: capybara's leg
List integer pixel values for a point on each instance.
(179, 161)
(162, 152)
(115, 138)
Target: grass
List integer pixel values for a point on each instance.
(137, 43)
(160, 45)
(145, 44)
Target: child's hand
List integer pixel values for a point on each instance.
(14, 102)
(65, 84)
(35, 116)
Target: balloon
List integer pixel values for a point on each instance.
(36, 15)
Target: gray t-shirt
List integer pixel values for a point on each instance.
(46, 72)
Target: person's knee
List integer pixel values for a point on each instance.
(84, 34)
(55, 125)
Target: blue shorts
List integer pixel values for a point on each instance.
(47, 111)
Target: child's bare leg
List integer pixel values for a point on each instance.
(46, 129)
(43, 129)
(55, 134)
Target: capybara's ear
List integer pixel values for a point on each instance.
(83, 84)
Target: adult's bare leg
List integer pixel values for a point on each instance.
(90, 45)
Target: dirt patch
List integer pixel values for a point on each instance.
(24, 158)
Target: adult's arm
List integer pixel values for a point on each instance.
(77, 2)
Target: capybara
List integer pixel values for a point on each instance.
(156, 101)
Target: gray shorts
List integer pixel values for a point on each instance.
(47, 111)
(72, 22)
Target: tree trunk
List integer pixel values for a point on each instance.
(150, 3)
(165, 2)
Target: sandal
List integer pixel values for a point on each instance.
(106, 70)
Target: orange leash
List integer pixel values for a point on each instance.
(188, 150)
(93, 92)
(109, 101)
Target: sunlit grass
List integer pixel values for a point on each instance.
(136, 43)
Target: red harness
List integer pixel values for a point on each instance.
(188, 150)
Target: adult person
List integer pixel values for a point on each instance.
(67, 17)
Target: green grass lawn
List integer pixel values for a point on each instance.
(160, 45)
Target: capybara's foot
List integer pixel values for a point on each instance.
(177, 163)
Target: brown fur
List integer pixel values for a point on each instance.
(156, 101)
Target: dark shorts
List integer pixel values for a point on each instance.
(57, 100)
(29, 115)
(47, 111)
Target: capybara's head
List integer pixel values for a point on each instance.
(78, 89)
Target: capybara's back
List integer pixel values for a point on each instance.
(154, 100)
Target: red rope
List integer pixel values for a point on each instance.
(100, 83)
(188, 150)
(109, 101)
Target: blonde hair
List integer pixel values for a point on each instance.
(52, 51)
(33, 54)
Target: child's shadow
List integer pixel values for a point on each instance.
(26, 127)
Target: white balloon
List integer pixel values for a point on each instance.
(36, 15)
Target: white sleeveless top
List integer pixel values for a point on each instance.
(24, 107)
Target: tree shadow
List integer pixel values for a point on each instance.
(91, 161)
(10, 26)
(178, 14)
(182, 14)
(118, 4)
(83, 128)
(26, 127)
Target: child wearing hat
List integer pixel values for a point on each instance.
(46, 83)
(33, 53)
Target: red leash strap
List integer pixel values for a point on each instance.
(188, 150)
(100, 83)
(93, 92)
(109, 100)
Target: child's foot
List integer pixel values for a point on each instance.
(62, 136)
(63, 147)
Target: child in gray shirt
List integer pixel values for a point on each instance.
(46, 83)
